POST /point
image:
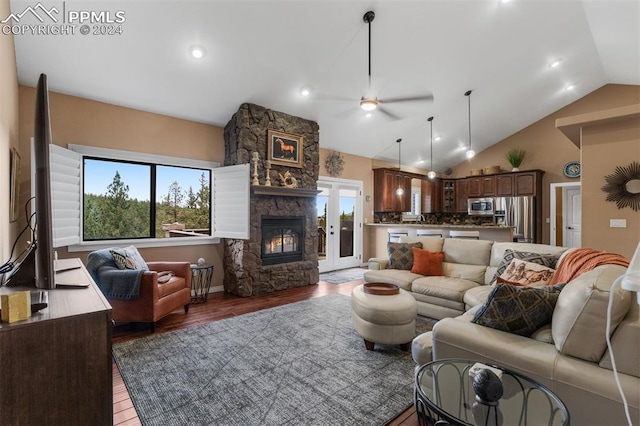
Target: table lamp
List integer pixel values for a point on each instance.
(630, 281)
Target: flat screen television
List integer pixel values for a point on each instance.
(37, 267)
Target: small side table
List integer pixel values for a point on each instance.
(200, 282)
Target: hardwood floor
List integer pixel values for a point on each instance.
(220, 306)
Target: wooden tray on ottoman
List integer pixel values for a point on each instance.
(381, 289)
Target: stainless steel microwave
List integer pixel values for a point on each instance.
(480, 206)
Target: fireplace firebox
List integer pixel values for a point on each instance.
(282, 239)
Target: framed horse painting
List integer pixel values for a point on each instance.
(284, 149)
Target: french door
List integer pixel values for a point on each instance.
(339, 205)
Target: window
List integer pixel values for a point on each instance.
(128, 200)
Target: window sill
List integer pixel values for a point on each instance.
(142, 243)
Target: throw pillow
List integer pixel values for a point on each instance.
(401, 255)
(521, 272)
(427, 263)
(518, 310)
(128, 258)
(548, 260)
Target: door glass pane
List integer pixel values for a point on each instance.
(347, 214)
(322, 201)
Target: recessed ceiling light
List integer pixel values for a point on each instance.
(437, 138)
(555, 63)
(569, 87)
(198, 52)
(420, 161)
(305, 91)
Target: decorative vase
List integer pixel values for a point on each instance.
(515, 169)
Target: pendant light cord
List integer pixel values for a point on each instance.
(370, 55)
(399, 152)
(468, 95)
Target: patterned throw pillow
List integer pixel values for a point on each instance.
(523, 273)
(427, 263)
(548, 260)
(128, 258)
(518, 310)
(401, 255)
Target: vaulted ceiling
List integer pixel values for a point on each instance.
(266, 51)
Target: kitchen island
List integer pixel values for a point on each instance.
(379, 235)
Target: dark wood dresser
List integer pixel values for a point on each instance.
(56, 367)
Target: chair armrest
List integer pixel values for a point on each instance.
(377, 264)
(180, 269)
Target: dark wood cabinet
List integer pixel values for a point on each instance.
(462, 195)
(504, 185)
(448, 195)
(385, 185)
(475, 187)
(431, 192)
(489, 186)
(56, 366)
(527, 183)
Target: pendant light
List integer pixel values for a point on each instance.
(432, 173)
(399, 191)
(470, 152)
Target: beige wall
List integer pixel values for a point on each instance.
(549, 149)
(8, 132)
(81, 121)
(605, 147)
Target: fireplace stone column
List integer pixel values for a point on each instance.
(245, 133)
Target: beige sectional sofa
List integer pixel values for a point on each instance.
(569, 356)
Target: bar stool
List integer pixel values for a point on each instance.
(396, 233)
(475, 235)
(429, 233)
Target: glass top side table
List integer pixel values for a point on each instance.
(200, 282)
(445, 394)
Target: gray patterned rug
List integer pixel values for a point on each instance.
(297, 364)
(343, 275)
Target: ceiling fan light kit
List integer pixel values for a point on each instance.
(368, 104)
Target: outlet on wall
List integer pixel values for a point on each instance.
(617, 223)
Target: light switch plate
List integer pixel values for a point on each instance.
(617, 223)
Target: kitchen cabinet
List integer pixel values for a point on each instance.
(448, 195)
(504, 185)
(385, 185)
(489, 186)
(462, 194)
(527, 183)
(475, 187)
(431, 193)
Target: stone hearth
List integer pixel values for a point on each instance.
(244, 271)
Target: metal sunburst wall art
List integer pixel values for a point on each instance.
(623, 186)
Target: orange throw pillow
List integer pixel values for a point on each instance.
(427, 263)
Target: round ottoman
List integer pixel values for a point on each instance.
(388, 319)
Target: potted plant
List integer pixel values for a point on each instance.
(515, 157)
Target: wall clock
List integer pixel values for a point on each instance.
(572, 169)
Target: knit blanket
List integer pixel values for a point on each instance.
(113, 282)
(582, 260)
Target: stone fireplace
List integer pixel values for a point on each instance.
(282, 249)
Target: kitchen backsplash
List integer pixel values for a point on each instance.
(434, 219)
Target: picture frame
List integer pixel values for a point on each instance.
(285, 149)
(14, 179)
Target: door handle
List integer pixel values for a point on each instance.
(331, 233)
(569, 227)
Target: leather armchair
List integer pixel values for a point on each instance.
(155, 300)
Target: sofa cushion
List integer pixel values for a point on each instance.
(473, 273)
(401, 255)
(518, 310)
(477, 296)
(442, 287)
(523, 273)
(580, 317)
(625, 344)
(399, 277)
(499, 248)
(548, 260)
(471, 252)
(427, 262)
(428, 243)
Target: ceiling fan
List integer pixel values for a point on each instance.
(369, 102)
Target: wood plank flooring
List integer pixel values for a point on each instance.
(220, 306)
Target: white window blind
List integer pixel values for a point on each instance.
(230, 191)
(65, 195)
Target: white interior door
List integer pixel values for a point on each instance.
(339, 207)
(572, 214)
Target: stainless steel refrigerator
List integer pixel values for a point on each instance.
(519, 212)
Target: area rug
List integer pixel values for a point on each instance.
(297, 364)
(343, 275)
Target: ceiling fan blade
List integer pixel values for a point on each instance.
(347, 114)
(408, 99)
(388, 114)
